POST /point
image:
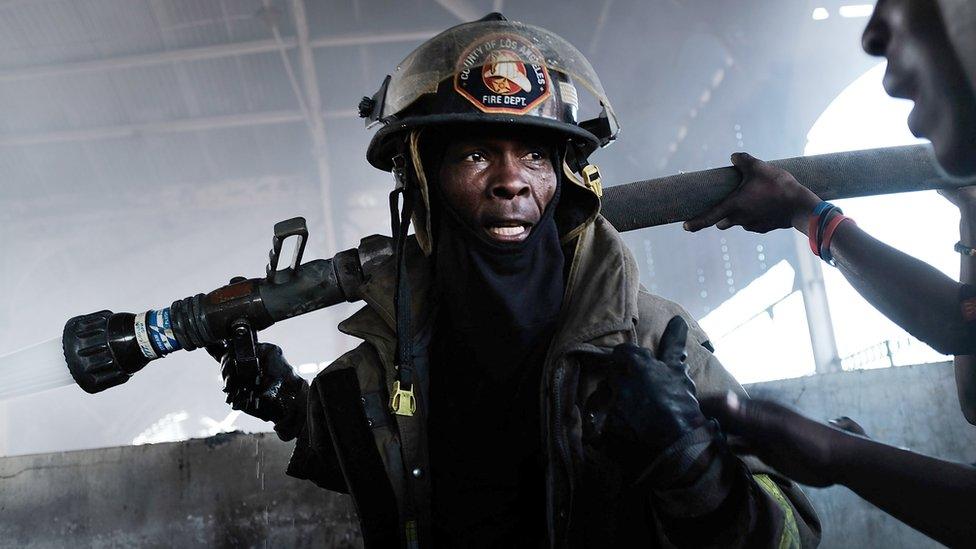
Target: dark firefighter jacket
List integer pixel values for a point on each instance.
(353, 443)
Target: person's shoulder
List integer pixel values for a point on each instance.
(655, 304)
(604, 250)
(654, 312)
(710, 377)
(362, 360)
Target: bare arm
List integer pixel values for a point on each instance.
(965, 365)
(929, 494)
(913, 294)
(965, 369)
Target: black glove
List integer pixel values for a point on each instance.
(646, 403)
(279, 395)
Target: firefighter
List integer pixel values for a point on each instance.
(516, 386)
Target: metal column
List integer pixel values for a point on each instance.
(810, 282)
(316, 123)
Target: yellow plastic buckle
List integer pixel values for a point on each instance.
(411, 534)
(402, 402)
(591, 176)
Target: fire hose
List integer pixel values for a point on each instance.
(104, 349)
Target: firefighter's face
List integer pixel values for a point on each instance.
(923, 67)
(498, 185)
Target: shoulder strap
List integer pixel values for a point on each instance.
(359, 459)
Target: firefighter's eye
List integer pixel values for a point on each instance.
(534, 155)
(474, 157)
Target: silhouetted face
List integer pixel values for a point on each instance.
(496, 185)
(923, 67)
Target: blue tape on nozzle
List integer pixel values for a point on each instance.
(161, 331)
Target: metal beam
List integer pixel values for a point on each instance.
(206, 52)
(316, 124)
(320, 150)
(168, 126)
(367, 39)
(144, 60)
(187, 93)
(181, 200)
(811, 283)
(601, 22)
(462, 9)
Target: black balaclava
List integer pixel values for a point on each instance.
(498, 307)
(502, 299)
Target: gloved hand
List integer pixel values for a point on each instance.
(646, 403)
(803, 449)
(279, 395)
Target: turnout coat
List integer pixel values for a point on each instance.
(353, 443)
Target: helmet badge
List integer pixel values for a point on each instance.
(504, 74)
(512, 80)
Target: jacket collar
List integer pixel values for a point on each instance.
(601, 290)
(376, 322)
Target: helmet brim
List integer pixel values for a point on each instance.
(383, 146)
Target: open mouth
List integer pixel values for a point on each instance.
(508, 231)
(900, 84)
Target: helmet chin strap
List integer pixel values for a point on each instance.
(578, 170)
(402, 400)
(421, 217)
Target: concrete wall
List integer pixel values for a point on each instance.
(230, 491)
(911, 406)
(225, 491)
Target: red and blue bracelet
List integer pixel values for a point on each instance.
(823, 224)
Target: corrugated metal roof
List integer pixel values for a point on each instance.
(56, 33)
(95, 105)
